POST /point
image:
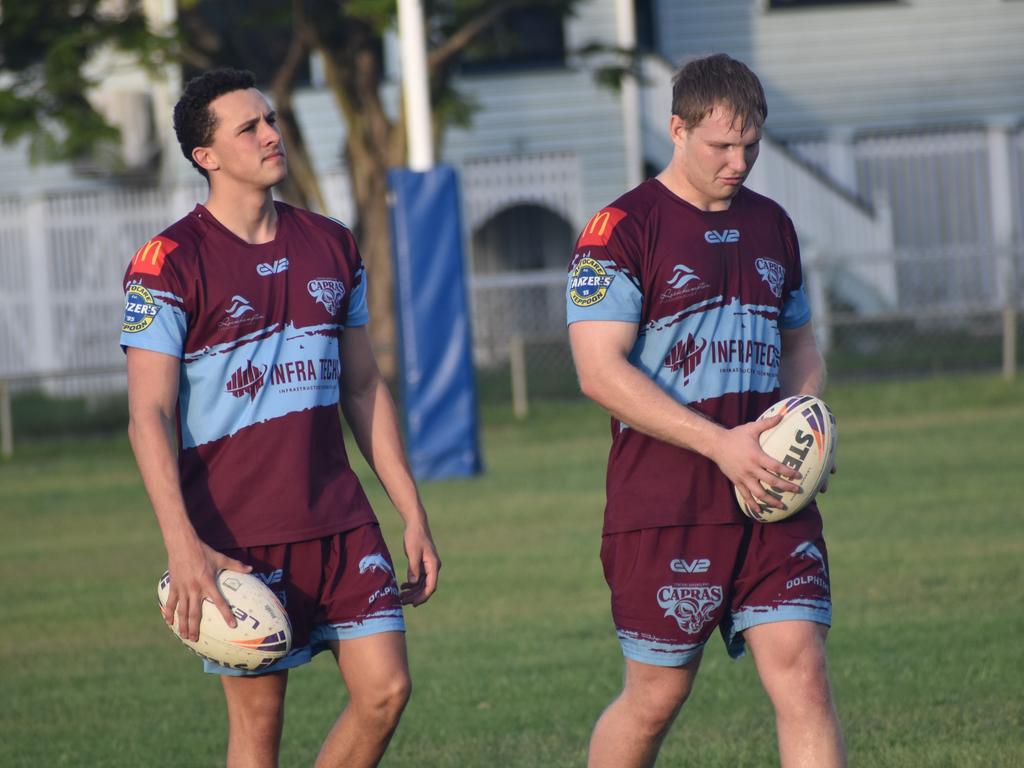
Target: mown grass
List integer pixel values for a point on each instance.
(515, 657)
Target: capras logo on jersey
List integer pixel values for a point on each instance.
(681, 565)
(600, 227)
(772, 273)
(685, 355)
(715, 236)
(246, 381)
(139, 309)
(589, 282)
(328, 292)
(149, 259)
(268, 269)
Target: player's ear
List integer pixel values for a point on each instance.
(205, 158)
(677, 130)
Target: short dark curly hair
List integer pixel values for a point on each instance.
(194, 123)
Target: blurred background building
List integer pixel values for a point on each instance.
(893, 139)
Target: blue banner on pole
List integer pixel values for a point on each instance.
(438, 385)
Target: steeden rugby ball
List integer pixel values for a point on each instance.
(805, 440)
(263, 633)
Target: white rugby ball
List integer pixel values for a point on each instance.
(263, 633)
(805, 440)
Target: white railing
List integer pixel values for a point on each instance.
(549, 179)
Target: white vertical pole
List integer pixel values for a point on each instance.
(625, 37)
(415, 89)
(1000, 160)
(43, 345)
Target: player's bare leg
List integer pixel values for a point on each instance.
(255, 719)
(630, 731)
(376, 672)
(790, 659)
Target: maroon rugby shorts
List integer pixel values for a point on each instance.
(671, 587)
(338, 587)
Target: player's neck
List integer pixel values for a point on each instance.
(250, 215)
(676, 183)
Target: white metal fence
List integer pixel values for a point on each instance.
(949, 260)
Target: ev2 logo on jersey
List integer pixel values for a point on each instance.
(681, 565)
(715, 236)
(266, 269)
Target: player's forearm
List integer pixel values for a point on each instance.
(632, 398)
(802, 372)
(151, 435)
(373, 419)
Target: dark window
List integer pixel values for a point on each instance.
(643, 12)
(779, 4)
(521, 39)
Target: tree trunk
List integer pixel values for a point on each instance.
(301, 187)
(373, 144)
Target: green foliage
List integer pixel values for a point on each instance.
(43, 47)
(515, 657)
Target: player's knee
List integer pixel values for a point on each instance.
(655, 709)
(386, 701)
(800, 686)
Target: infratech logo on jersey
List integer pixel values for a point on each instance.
(139, 309)
(247, 381)
(149, 259)
(589, 282)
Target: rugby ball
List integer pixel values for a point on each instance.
(805, 440)
(263, 633)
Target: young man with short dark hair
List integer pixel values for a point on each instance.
(245, 326)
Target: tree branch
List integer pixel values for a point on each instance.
(465, 34)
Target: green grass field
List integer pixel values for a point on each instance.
(515, 657)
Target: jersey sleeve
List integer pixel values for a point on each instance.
(603, 281)
(358, 313)
(796, 310)
(155, 315)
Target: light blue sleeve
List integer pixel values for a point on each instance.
(358, 313)
(601, 290)
(153, 320)
(796, 310)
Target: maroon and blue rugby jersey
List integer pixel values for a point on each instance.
(256, 328)
(709, 291)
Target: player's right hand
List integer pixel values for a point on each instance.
(739, 456)
(194, 567)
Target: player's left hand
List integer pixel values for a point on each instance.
(424, 564)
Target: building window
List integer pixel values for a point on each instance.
(643, 14)
(527, 38)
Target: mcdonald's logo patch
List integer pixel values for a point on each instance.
(149, 259)
(599, 228)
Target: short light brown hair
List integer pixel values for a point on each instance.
(702, 84)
